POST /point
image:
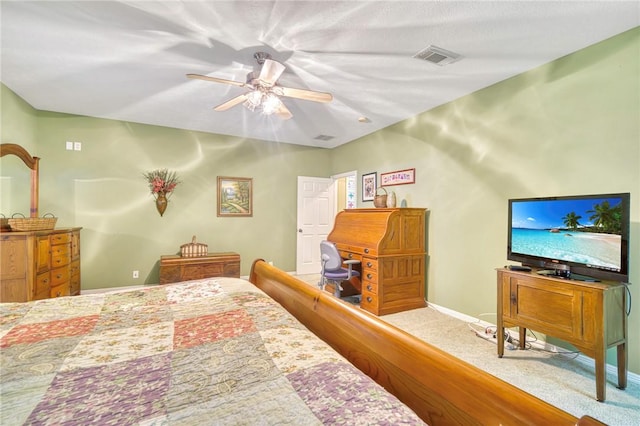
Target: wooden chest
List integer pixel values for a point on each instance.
(174, 268)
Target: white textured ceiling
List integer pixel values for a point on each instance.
(127, 60)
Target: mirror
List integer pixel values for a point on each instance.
(13, 183)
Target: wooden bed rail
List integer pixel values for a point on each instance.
(439, 387)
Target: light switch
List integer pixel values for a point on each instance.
(69, 146)
(77, 146)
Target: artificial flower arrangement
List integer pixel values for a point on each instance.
(161, 182)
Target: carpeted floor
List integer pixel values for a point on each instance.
(555, 378)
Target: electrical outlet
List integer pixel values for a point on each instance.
(136, 274)
(77, 146)
(69, 146)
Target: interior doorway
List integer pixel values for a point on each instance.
(319, 200)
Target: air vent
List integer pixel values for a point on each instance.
(437, 55)
(324, 137)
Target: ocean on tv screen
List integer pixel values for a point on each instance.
(590, 248)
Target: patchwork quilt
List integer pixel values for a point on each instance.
(215, 351)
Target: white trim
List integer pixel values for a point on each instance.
(582, 359)
(114, 289)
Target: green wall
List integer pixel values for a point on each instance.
(569, 127)
(101, 189)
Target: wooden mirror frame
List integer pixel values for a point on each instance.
(33, 164)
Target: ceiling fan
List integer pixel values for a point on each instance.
(264, 92)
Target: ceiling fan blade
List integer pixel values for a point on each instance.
(283, 112)
(271, 71)
(231, 103)
(308, 95)
(216, 80)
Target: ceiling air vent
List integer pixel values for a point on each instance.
(437, 55)
(324, 137)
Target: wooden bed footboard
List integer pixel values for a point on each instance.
(439, 387)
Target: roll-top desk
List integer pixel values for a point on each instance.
(39, 264)
(390, 244)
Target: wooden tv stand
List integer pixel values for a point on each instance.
(589, 315)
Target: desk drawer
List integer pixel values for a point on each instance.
(357, 249)
(370, 302)
(370, 264)
(351, 256)
(368, 286)
(370, 275)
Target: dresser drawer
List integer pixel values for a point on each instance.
(75, 268)
(60, 238)
(60, 290)
(59, 276)
(43, 286)
(60, 260)
(74, 285)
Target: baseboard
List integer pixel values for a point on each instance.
(541, 344)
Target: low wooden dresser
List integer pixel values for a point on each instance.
(39, 264)
(175, 268)
(589, 315)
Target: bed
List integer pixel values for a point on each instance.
(213, 351)
(439, 387)
(226, 351)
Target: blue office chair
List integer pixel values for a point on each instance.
(332, 270)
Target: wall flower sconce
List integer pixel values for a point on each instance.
(161, 182)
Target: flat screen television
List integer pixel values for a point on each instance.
(582, 237)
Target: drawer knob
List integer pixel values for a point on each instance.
(369, 264)
(366, 250)
(350, 255)
(369, 299)
(369, 276)
(369, 287)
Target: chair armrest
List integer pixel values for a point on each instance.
(351, 261)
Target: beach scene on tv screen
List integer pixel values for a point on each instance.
(586, 231)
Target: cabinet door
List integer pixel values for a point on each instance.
(552, 307)
(75, 245)
(14, 268)
(43, 249)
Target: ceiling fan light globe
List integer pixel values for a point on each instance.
(254, 98)
(270, 104)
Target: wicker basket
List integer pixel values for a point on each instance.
(23, 224)
(380, 201)
(194, 249)
(4, 224)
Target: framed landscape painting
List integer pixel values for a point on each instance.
(235, 196)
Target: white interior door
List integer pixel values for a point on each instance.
(315, 221)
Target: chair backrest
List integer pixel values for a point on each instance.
(330, 256)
